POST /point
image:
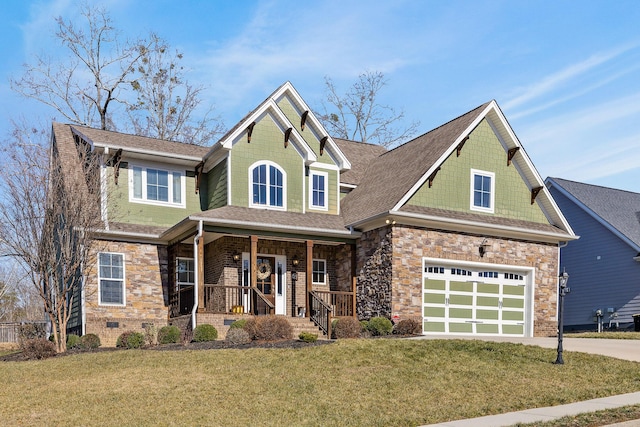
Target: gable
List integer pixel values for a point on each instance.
(451, 188)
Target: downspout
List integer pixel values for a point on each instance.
(196, 241)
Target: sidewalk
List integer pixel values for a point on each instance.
(550, 413)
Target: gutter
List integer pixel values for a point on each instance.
(196, 277)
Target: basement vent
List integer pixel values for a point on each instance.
(113, 325)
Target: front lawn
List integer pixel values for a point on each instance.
(375, 382)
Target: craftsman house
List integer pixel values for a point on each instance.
(604, 264)
(455, 227)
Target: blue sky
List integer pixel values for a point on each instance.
(565, 73)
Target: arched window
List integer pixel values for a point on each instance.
(267, 185)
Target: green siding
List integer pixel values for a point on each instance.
(122, 210)
(217, 186)
(311, 139)
(267, 143)
(482, 151)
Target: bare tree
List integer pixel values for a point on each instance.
(48, 216)
(17, 301)
(82, 87)
(358, 115)
(166, 104)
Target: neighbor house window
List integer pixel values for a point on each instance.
(267, 185)
(111, 279)
(185, 275)
(319, 274)
(318, 190)
(482, 191)
(156, 186)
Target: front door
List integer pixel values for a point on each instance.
(270, 279)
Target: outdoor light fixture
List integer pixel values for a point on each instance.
(236, 257)
(483, 248)
(295, 261)
(563, 289)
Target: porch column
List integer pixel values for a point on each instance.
(354, 280)
(253, 261)
(309, 276)
(200, 284)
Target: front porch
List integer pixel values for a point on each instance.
(234, 275)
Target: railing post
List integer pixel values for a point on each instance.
(353, 292)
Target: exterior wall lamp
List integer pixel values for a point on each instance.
(563, 289)
(483, 248)
(236, 257)
(295, 261)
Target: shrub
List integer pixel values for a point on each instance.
(37, 348)
(407, 327)
(204, 333)
(237, 336)
(32, 331)
(73, 341)
(238, 324)
(379, 326)
(347, 327)
(151, 334)
(90, 341)
(169, 335)
(269, 328)
(130, 339)
(308, 337)
(364, 325)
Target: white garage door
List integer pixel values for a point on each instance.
(474, 300)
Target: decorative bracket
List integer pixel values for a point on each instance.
(323, 142)
(534, 193)
(512, 152)
(433, 175)
(287, 134)
(199, 168)
(303, 119)
(115, 162)
(459, 147)
(250, 131)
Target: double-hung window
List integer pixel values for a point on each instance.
(111, 279)
(157, 186)
(318, 190)
(185, 273)
(319, 273)
(482, 191)
(267, 186)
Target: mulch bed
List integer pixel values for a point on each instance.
(211, 345)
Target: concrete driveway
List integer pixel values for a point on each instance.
(620, 349)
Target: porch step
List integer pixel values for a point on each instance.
(303, 324)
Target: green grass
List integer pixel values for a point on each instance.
(380, 382)
(605, 335)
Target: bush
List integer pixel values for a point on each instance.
(347, 327)
(379, 326)
(32, 331)
(37, 348)
(73, 341)
(407, 327)
(237, 336)
(90, 341)
(204, 333)
(269, 328)
(130, 339)
(308, 337)
(238, 324)
(169, 335)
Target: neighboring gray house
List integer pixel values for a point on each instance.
(604, 264)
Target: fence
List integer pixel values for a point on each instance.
(9, 330)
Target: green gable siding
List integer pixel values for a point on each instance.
(217, 186)
(122, 210)
(332, 188)
(451, 186)
(267, 144)
(294, 117)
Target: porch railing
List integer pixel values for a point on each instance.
(320, 312)
(340, 302)
(221, 299)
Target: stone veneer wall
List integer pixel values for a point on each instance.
(411, 244)
(374, 274)
(146, 292)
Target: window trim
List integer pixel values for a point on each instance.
(324, 271)
(178, 282)
(284, 186)
(492, 195)
(170, 182)
(325, 175)
(123, 280)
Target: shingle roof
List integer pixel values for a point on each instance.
(619, 208)
(360, 156)
(122, 140)
(391, 175)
